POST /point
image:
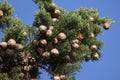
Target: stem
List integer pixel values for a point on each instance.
(51, 72)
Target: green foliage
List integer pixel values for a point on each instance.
(40, 2)
(64, 48)
(14, 74)
(4, 76)
(69, 24)
(6, 8)
(72, 23)
(7, 12)
(71, 48)
(15, 31)
(37, 1)
(42, 17)
(31, 31)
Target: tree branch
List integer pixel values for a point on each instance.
(49, 71)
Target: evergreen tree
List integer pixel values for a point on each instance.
(58, 41)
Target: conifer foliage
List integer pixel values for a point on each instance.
(58, 41)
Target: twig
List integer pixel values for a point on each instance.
(51, 72)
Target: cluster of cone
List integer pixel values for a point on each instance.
(11, 51)
(55, 13)
(8, 49)
(48, 32)
(42, 45)
(11, 54)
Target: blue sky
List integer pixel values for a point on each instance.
(107, 68)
